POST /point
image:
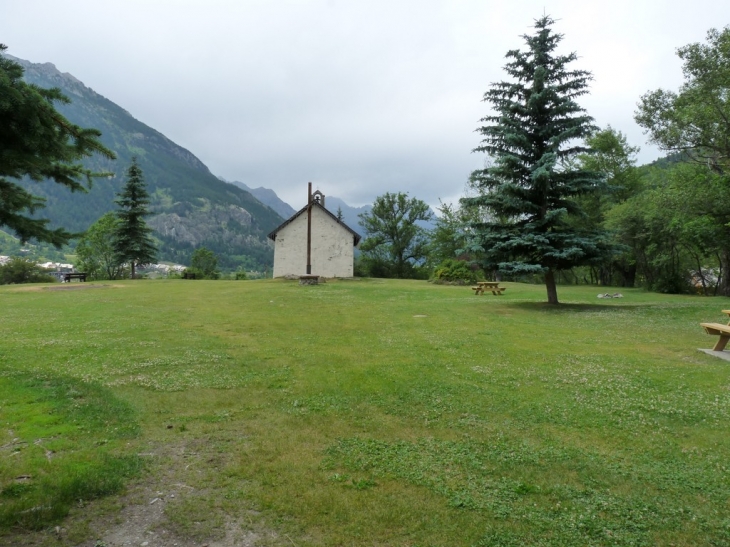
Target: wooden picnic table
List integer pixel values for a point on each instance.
(718, 329)
(492, 286)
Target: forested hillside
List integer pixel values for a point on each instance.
(191, 207)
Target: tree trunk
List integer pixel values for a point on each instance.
(719, 275)
(701, 275)
(628, 275)
(724, 281)
(132, 269)
(552, 291)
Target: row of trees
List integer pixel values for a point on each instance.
(561, 198)
(558, 197)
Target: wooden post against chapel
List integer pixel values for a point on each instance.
(309, 230)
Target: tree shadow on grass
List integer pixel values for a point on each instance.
(558, 309)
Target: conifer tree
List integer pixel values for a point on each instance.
(37, 142)
(132, 241)
(527, 192)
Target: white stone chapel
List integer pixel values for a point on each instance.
(314, 242)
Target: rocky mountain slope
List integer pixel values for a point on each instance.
(191, 206)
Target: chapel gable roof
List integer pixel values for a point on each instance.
(356, 236)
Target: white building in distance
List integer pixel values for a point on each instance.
(332, 243)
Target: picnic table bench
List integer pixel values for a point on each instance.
(492, 286)
(67, 277)
(718, 329)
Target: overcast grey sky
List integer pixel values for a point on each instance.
(359, 97)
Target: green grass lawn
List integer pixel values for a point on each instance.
(374, 412)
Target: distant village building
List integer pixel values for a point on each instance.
(328, 243)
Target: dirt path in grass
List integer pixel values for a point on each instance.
(142, 522)
(145, 517)
(141, 517)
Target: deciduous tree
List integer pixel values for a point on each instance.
(95, 250)
(38, 143)
(613, 157)
(530, 188)
(204, 263)
(695, 120)
(394, 242)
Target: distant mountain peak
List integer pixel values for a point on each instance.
(266, 196)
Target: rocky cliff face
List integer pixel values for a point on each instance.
(191, 206)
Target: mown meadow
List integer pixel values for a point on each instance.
(370, 412)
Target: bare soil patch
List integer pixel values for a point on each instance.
(76, 287)
(141, 517)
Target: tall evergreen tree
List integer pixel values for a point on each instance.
(528, 192)
(132, 241)
(37, 142)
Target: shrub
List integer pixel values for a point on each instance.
(204, 264)
(22, 270)
(454, 271)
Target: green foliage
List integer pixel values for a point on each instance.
(204, 264)
(395, 245)
(677, 228)
(95, 250)
(613, 157)
(696, 120)
(23, 270)
(38, 144)
(448, 238)
(454, 271)
(530, 191)
(133, 243)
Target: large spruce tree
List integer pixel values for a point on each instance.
(527, 192)
(132, 241)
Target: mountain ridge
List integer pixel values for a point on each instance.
(190, 206)
(267, 196)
